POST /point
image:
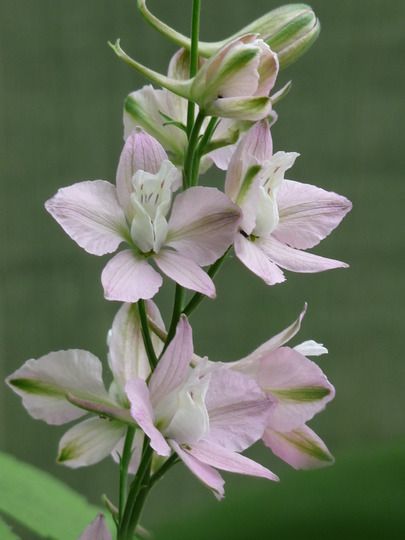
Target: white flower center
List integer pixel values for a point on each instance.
(151, 200)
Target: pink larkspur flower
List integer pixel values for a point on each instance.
(99, 216)
(207, 414)
(281, 218)
(97, 530)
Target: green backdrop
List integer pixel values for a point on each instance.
(61, 93)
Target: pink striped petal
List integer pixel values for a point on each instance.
(208, 476)
(238, 409)
(141, 152)
(227, 460)
(126, 278)
(142, 412)
(97, 530)
(252, 256)
(298, 386)
(173, 367)
(308, 214)
(90, 214)
(296, 260)
(185, 272)
(300, 448)
(203, 224)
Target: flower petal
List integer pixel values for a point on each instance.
(227, 460)
(173, 368)
(203, 224)
(97, 530)
(253, 257)
(142, 412)
(308, 214)
(311, 348)
(243, 108)
(208, 475)
(298, 386)
(300, 448)
(238, 409)
(141, 152)
(126, 278)
(90, 214)
(44, 383)
(296, 260)
(127, 354)
(89, 442)
(185, 272)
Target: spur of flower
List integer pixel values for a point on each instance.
(99, 216)
(281, 218)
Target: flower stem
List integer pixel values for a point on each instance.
(191, 150)
(124, 464)
(197, 298)
(205, 139)
(195, 36)
(150, 351)
(177, 310)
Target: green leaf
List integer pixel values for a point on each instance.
(41, 503)
(6, 533)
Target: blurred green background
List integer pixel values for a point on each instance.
(61, 94)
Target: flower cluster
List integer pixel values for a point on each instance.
(164, 401)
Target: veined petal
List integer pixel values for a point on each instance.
(242, 108)
(127, 278)
(252, 256)
(89, 442)
(311, 348)
(142, 412)
(127, 354)
(185, 272)
(227, 460)
(238, 409)
(203, 224)
(44, 383)
(97, 530)
(173, 368)
(141, 152)
(296, 260)
(300, 448)
(298, 386)
(250, 363)
(89, 212)
(308, 214)
(208, 475)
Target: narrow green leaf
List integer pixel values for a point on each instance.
(6, 533)
(41, 503)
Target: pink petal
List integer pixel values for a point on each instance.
(308, 214)
(243, 108)
(185, 272)
(173, 367)
(227, 460)
(142, 412)
(97, 530)
(222, 156)
(298, 386)
(238, 409)
(252, 360)
(300, 448)
(90, 214)
(268, 69)
(253, 257)
(203, 224)
(296, 260)
(140, 152)
(126, 278)
(208, 476)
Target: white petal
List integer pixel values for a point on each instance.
(311, 348)
(89, 442)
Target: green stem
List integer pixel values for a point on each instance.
(129, 520)
(198, 297)
(177, 309)
(150, 351)
(191, 150)
(124, 464)
(205, 139)
(168, 464)
(195, 37)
